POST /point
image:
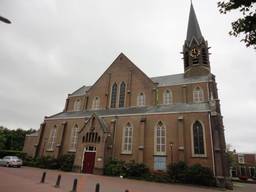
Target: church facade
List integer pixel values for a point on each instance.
(129, 116)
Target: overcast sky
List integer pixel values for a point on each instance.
(54, 47)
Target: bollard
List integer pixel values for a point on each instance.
(74, 186)
(58, 181)
(43, 177)
(97, 188)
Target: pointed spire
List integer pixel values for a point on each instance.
(193, 27)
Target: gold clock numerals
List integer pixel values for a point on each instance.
(194, 52)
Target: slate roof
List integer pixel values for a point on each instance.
(173, 108)
(178, 79)
(193, 30)
(81, 91)
(168, 80)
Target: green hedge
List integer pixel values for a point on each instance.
(177, 172)
(19, 154)
(130, 170)
(64, 163)
(196, 174)
(114, 168)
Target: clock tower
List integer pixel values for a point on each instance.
(195, 49)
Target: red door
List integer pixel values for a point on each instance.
(88, 164)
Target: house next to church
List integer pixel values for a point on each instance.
(129, 116)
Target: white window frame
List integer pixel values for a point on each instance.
(198, 95)
(77, 105)
(167, 97)
(241, 158)
(160, 163)
(192, 140)
(74, 138)
(141, 99)
(52, 138)
(96, 103)
(127, 139)
(160, 140)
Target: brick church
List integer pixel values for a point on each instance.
(129, 116)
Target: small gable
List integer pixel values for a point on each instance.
(95, 123)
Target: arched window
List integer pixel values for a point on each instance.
(113, 96)
(74, 138)
(205, 56)
(87, 137)
(141, 100)
(52, 138)
(167, 97)
(127, 139)
(160, 147)
(186, 59)
(96, 103)
(198, 95)
(198, 139)
(160, 139)
(122, 94)
(77, 105)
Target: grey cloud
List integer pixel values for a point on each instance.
(49, 49)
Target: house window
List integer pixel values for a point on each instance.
(160, 163)
(74, 138)
(167, 97)
(198, 139)
(96, 103)
(243, 171)
(252, 171)
(198, 95)
(52, 138)
(233, 172)
(160, 139)
(240, 158)
(127, 139)
(141, 100)
(77, 105)
(122, 94)
(113, 96)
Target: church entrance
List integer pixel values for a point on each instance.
(89, 159)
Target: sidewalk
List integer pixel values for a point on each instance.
(27, 179)
(12, 183)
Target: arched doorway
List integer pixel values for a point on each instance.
(89, 159)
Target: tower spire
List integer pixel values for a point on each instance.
(193, 31)
(195, 49)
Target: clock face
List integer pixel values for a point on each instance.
(194, 52)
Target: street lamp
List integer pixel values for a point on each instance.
(171, 144)
(5, 20)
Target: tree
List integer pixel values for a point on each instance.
(2, 138)
(246, 24)
(13, 139)
(232, 162)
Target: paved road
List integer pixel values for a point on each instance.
(28, 179)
